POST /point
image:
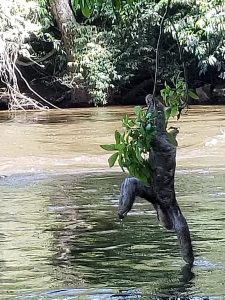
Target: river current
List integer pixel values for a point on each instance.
(60, 237)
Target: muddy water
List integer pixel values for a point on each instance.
(59, 234)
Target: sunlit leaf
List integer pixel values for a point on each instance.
(212, 60)
(167, 112)
(117, 136)
(85, 6)
(193, 95)
(174, 111)
(113, 159)
(137, 110)
(75, 4)
(108, 147)
(119, 147)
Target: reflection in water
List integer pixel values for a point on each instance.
(61, 239)
(59, 233)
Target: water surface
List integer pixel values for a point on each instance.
(60, 237)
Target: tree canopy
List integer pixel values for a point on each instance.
(107, 48)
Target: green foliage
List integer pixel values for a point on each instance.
(128, 41)
(116, 44)
(175, 97)
(133, 146)
(201, 27)
(87, 6)
(112, 52)
(95, 64)
(132, 33)
(98, 71)
(44, 13)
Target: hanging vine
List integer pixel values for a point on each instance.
(16, 24)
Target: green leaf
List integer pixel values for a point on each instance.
(116, 4)
(172, 139)
(125, 121)
(174, 111)
(121, 162)
(109, 147)
(138, 154)
(85, 8)
(167, 113)
(137, 110)
(120, 147)
(193, 95)
(133, 143)
(75, 4)
(113, 159)
(117, 136)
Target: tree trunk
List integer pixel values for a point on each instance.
(66, 22)
(160, 192)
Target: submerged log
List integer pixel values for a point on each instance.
(160, 191)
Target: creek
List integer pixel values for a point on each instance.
(60, 237)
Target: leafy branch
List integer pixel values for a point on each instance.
(134, 144)
(175, 97)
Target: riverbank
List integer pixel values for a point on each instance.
(64, 97)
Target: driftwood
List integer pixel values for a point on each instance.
(160, 191)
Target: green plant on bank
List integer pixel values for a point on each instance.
(87, 6)
(98, 71)
(94, 64)
(133, 146)
(131, 37)
(44, 13)
(200, 27)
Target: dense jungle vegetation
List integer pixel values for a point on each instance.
(94, 52)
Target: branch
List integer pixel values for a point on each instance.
(170, 216)
(37, 61)
(183, 235)
(32, 90)
(157, 47)
(130, 189)
(184, 68)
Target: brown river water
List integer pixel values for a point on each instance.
(60, 237)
